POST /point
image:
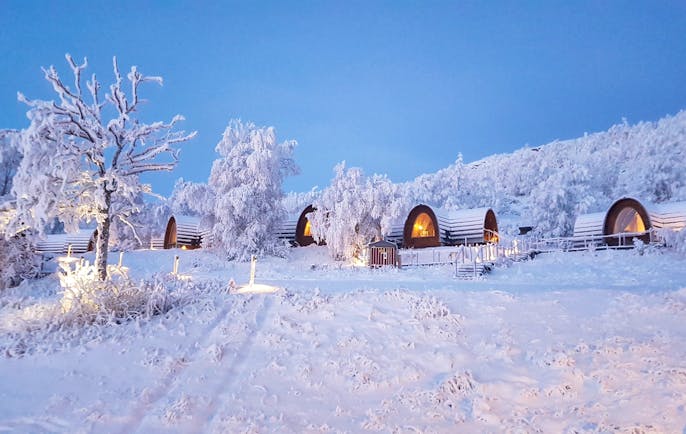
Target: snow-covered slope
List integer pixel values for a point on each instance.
(551, 184)
(575, 342)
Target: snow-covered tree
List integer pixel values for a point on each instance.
(192, 198)
(247, 184)
(83, 153)
(10, 157)
(354, 210)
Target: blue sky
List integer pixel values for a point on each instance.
(397, 87)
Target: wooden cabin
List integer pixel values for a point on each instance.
(426, 227)
(75, 243)
(626, 219)
(297, 229)
(421, 228)
(468, 226)
(186, 232)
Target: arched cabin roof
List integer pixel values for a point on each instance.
(292, 229)
(626, 216)
(301, 237)
(589, 225)
(186, 231)
(669, 215)
(81, 241)
(468, 226)
(421, 228)
(450, 227)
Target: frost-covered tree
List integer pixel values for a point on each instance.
(192, 198)
(295, 202)
(10, 157)
(247, 184)
(354, 210)
(84, 152)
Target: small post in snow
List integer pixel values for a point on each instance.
(69, 251)
(176, 265)
(121, 259)
(253, 263)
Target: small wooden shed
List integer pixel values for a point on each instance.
(383, 253)
(186, 232)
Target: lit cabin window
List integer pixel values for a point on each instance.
(308, 229)
(423, 227)
(629, 221)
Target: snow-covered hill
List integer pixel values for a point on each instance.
(575, 342)
(549, 185)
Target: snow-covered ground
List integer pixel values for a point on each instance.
(569, 342)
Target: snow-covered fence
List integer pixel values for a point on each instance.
(464, 254)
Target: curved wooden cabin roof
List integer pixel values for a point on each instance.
(468, 226)
(293, 229)
(627, 216)
(81, 241)
(589, 225)
(421, 228)
(185, 232)
(669, 215)
(447, 227)
(301, 237)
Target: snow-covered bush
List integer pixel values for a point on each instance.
(675, 239)
(86, 299)
(247, 184)
(17, 260)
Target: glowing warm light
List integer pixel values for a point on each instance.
(629, 220)
(308, 229)
(184, 247)
(423, 226)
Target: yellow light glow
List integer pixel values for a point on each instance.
(423, 226)
(629, 221)
(308, 229)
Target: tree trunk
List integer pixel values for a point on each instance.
(102, 245)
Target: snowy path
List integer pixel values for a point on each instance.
(207, 353)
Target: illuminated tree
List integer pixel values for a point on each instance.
(83, 154)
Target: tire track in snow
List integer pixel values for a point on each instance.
(233, 372)
(165, 384)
